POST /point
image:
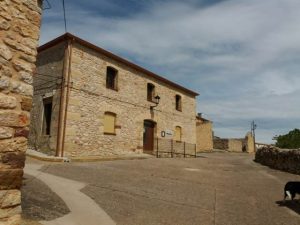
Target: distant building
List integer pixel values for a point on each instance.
(204, 132)
(90, 102)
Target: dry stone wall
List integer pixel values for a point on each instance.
(281, 159)
(235, 144)
(19, 33)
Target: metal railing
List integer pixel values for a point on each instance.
(172, 148)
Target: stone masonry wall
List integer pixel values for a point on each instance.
(204, 136)
(90, 99)
(19, 33)
(235, 144)
(281, 159)
(220, 143)
(47, 84)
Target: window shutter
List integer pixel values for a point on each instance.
(109, 123)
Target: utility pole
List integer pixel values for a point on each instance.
(253, 128)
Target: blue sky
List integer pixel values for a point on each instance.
(242, 56)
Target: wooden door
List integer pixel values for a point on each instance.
(148, 135)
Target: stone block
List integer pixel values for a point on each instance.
(10, 179)
(22, 132)
(6, 132)
(18, 144)
(12, 220)
(74, 116)
(21, 65)
(26, 77)
(5, 52)
(74, 101)
(9, 215)
(26, 103)
(70, 131)
(5, 71)
(7, 102)
(4, 82)
(21, 88)
(13, 160)
(14, 44)
(4, 25)
(12, 118)
(10, 198)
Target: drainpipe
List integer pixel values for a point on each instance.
(67, 95)
(63, 100)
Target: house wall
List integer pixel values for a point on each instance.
(19, 33)
(204, 136)
(89, 99)
(47, 83)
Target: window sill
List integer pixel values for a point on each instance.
(179, 110)
(114, 89)
(107, 133)
(151, 101)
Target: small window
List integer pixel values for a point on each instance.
(109, 123)
(47, 116)
(150, 92)
(177, 136)
(111, 78)
(178, 103)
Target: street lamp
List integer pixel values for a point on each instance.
(157, 98)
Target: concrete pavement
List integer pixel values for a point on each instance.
(216, 188)
(83, 209)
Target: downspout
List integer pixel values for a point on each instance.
(70, 44)
(62, 93)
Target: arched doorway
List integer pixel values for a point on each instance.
(148, 136)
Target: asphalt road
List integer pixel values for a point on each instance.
(214, 189)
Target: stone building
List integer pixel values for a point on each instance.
(204, 132)
(19, 33)
(90, 102)
(235, 144)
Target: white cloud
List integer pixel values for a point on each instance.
(242, 56)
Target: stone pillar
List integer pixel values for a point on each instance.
(19, 34)
(250, 143)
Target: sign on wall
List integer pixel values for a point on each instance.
(167, 133)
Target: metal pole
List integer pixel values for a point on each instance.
(172, 148)
(253, 128)
(156, 147)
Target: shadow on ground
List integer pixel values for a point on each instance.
(39, 202)
(292, 205)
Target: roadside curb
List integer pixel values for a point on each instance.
(43, 157)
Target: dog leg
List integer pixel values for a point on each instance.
(289, 194)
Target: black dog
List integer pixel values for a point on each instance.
(291, 189)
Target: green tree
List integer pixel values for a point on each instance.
(289, 141)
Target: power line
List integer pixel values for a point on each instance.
(46, 75)
(65, 20)
(50, 81)
(44, 88)
(129, 103)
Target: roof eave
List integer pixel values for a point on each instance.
(68, 36)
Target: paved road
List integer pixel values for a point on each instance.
(215, 189)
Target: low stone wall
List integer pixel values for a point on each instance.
(281, 159)
(235, 144)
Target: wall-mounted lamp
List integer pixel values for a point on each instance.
(157, 98)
